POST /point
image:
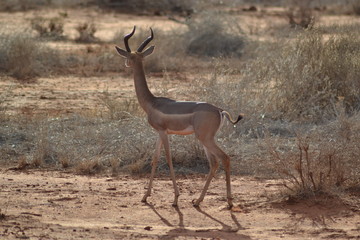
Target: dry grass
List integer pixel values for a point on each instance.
(17, 56)
(322, 160)
(24, 58)
(92, 61)
(304, 79)
(64, 160)
(22, 163)
(120, 110)
(214, 35)
(52, 28)
(115, 166)
(86, 33)
(300, 13)
(93, 145)
(89, 167)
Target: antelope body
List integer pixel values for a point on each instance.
(168, 116)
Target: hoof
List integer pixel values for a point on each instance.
(230, 204)
(196, 203)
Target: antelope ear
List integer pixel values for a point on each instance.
(122, 52)
(148, 51)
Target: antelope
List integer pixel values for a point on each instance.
(168, 116)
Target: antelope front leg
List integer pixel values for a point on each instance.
(153, 168)
(165, 141)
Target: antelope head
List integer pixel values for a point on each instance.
(140, 54)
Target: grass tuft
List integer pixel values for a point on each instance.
(2, 215)
(52, 28)
(86, 33)
(89, 167)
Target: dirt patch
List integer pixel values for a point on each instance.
(60, 205)
(320, 209)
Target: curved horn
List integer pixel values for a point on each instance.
(126, 39)
(146, 42)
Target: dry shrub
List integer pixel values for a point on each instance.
(22, 163)
(304, 78)
(44, 152)
(24, 58)
(18, 53)
(211, 34)
(92, 61)
(139, 166)
(300, 13)
(2, 215)
(49, 28)
(323, 160)
(86, 33)
(89, 167)
(64, 161)
(115, 166)
(120, 109)
(355, 7)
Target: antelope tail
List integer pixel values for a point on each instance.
(228, 116)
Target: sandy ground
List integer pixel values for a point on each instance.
(64, 94)
(59, 205)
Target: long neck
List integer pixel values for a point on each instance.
(145, 97)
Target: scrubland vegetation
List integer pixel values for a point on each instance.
(299, 90)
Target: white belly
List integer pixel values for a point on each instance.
(186, 131)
